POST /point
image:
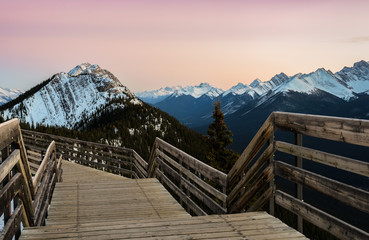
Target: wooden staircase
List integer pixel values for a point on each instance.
(91, 204)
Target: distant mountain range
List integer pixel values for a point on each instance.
(344, 93)
(7, 95)
(192, 105)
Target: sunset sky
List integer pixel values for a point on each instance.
(150, 44)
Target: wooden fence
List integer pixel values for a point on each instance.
(122, 161)
(251, 180)
(23, 198)
(199, 188)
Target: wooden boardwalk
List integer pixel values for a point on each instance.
(91, 204)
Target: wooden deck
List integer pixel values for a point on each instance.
(91, 204)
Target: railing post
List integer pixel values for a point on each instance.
(271, 183)
(7, 212)
(132, 162)
(298, 163)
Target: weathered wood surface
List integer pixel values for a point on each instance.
(207, 171)
(91, 204)
(355, 131)
(344, 163)
(325, 221)
(237, 226)
(89, 195)
(347, 194)
(118, 160)
(259, 140)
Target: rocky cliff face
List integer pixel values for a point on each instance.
(71, 96)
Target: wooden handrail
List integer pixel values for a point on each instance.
(248, 186)
(18, 182)
(117, 160)
(199, 187)
(40, 172)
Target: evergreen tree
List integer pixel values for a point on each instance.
(219, 138)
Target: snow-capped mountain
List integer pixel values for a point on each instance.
(69, 97)
(240, 89)
(355, 78)
(198, 91)
(7, 95)
(158, 95)
(346, 84)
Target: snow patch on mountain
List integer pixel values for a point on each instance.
(198, 91)
(321, 79)
(356, 78)
(158, 95)
(69, 97)
(7, 94)
(240, 89)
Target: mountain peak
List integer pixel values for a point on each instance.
(361, 64)
(205, 84)
(255, 83)
(68, 97)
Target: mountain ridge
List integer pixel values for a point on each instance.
(65, 97)
(346, 84)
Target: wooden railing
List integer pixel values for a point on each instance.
(250, 185)
(199, 188)
(122, 161)
(23, 198)
(251, 181)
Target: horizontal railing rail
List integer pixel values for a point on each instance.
(199, 188)
(118, 160)
(23, 198)
(251, 180)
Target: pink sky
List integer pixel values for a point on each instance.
(149, 44)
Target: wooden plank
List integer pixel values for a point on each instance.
(97, 164)
(265, 177)
(26, 172)
(299, 189)
(202, 197)
(8, 132)
(139, 159)
(40, 199)
(9, 191)
(354, 131)
(200, 182)
(72, 141)
(194, 207)
(8, 164)
(139, 172)
(209, 172)
(344, 163)
(347, 194)
(252, 149)
(255, 168)
(59, 170)
(26, 195)
(45, 205)
(122, 159)
(262, 200)
(329, 223)
(37, 178)
(13, 224)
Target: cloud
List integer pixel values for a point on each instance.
(360, 39)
